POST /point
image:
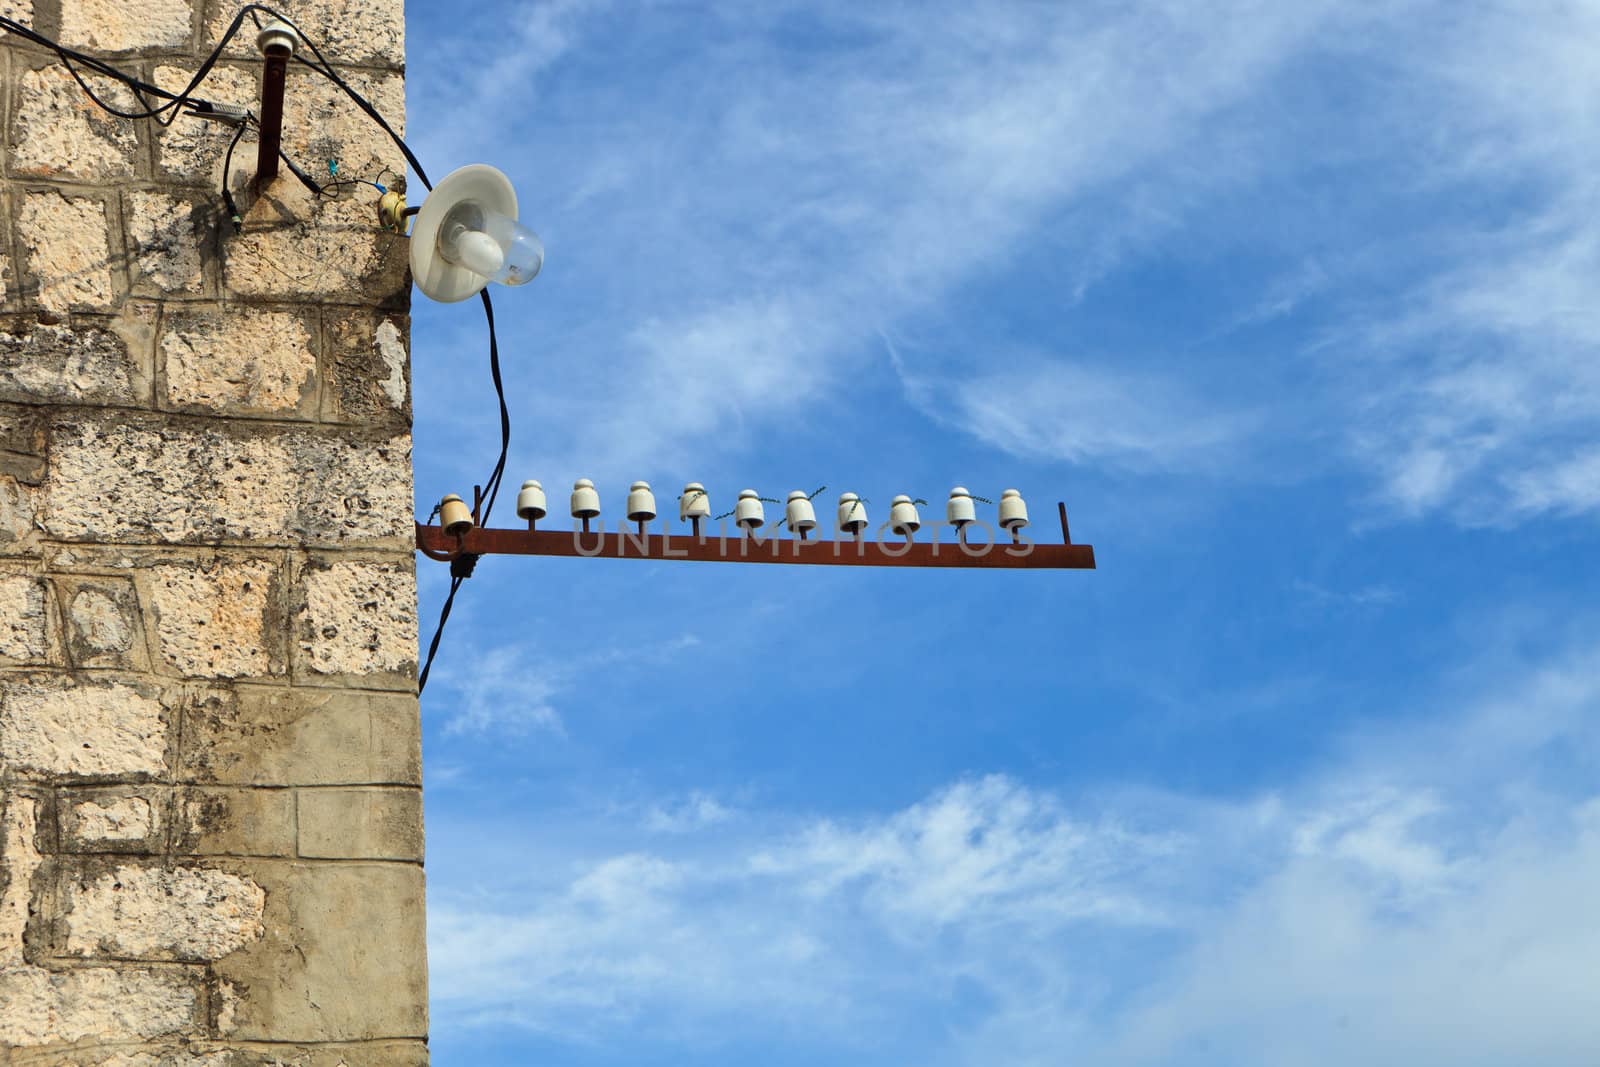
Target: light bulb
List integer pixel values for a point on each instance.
(489, 243)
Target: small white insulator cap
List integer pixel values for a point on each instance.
(641, 502)
(1013, 510)
(903, 517)
(959, 510)
(852, 513)
(276, 34)
(454, 515)
(799, 514)
(531, 502)
(748, 512)
(695, 503)
(585, 501)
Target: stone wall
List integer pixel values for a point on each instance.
(210, 807)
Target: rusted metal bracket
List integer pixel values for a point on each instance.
(434, 543)
(277, 44)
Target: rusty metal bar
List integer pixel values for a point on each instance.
(433, 542)
(271, 117)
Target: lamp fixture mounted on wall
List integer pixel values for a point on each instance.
(466, 235)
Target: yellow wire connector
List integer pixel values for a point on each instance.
(392, 211)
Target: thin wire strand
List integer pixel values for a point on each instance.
(438, 632)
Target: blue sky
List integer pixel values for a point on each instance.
(1291, 303)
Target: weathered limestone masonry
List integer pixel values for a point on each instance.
(210, 807)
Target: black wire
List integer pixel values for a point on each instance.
(227, 170)
(433, 646)
(462, 566)
(492, 487)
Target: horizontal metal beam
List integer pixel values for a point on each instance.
(437, 544)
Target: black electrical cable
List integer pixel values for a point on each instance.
(461, 567)
(227, 171)
(438, 632)
(166, 113)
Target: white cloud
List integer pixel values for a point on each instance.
(695, 812)
(1059, 410)
(513, 690)
(1384, 910)
(1479, 381)
(502, 689)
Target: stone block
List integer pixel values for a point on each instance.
(20, 859)
(364, 824)
(357, 619)
(129, 479)
(167, 237)
(185, 1054)
(241, 361)
(297, 247)
(68, 254)
(52, 724)
(190, 151)
(23, 434)
(144, 912)
(24, 620)
(117, 26)
(125, 820)
(366, 376)
(88, 362)
(57, 132)
(320, 122)
(273, 736)
(218, 617)
(19, 509)
(40, 1007)
(342, 957)
(101, 622)
(196, 1053)
(235, 822)
(367, 32)
(373, 1054)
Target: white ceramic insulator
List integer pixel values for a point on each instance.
(1013, 511)
(799, 514)
(959, 510)
(852, 513)
(454, 515)
(641, 502)
(530, 501)
(585, 501)
(903, 517)
(748, 512)
(695, 503)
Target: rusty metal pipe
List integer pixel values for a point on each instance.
(276, 42)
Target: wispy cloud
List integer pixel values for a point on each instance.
(1079, 413)
(513, 689)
